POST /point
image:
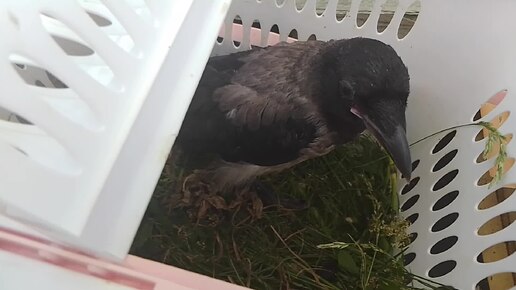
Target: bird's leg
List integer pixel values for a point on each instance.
(195, 185)
(270, 197)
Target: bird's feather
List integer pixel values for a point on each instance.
(237, 114)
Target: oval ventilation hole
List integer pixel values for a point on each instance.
(124, 41)
(412, 237)
(489, 175)
(37, 76)
(238, 32)
(71, 47)
(364, 10)
(280, 2)
(495, 149)
(72, 107)
(445, 160)
(320, 7)
(412, 218)
(445, 222)
(300, 4)
(445, 180)
(256, 24)
(490, 105)
(442, 269)
(274, 35)
(388, 9)
(409, 186)
(312, 37)
(99, 20)
(497, 252)
(9, 116)
(497, 223)
(444, 141)
(19, 119)
(496, 197)
(410, 202)
(496, 122)
(408, 258)
(445, 200)
(222, 31)
(256, 33)
(504, 280)
(343, 8)
(103, 74)
(415, 164)
(443, 245)
(409, 19)
(293, 34)
(275, 29)
(56, 83)
(237, 20)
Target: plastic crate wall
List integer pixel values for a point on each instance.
(94, 93)
(461, 56)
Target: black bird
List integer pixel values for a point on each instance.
(267, 109)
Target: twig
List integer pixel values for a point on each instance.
(372, 261)
(307, 267)
(295, 233)
(249, 270)
(236, 272)
(495, 137)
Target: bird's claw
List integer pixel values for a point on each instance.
(193, 185)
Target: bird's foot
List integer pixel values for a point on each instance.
(270, 197)
(194, 186)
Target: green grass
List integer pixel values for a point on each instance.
(346, 239)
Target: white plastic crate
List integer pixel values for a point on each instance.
(104, 86)
(84, 173)
(459, 54)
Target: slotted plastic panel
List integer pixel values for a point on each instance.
(459, 54)
(94, 93)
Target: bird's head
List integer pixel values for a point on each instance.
(368, 86)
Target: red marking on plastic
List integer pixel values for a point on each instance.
(63, 262)
(46, 242)
(73, 265)
(21, 250)
(25, 236)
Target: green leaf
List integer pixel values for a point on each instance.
(384, 244)
(346, 262)
(335, 245)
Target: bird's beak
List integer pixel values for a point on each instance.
(392, 137)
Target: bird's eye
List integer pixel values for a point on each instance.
(346, 90)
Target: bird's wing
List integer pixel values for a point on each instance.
(247, 109)
(265, 132)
